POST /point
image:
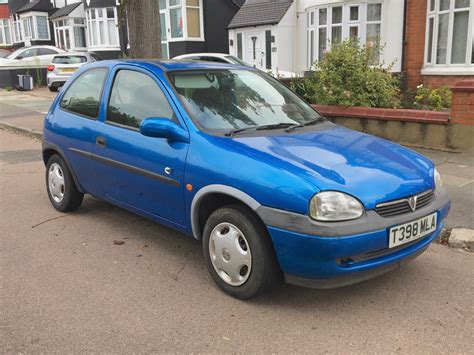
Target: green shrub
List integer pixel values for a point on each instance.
(435, 100)
(348, 76)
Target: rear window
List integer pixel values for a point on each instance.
(69, 59)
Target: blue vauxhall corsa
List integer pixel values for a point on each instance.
(230, 156)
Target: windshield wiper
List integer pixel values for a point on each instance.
(310, 123)
(261, 128)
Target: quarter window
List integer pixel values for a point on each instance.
(136, 96)
(449, 33)
(84, 94)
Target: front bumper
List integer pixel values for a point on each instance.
(327, 261)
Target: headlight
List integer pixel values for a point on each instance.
(438, 180)
(334, 206)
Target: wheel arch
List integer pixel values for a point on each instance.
(211, 197)
(49, 150)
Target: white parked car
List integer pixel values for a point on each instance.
(212, 57)
(31, 56)
(64, 65)
(227, 58)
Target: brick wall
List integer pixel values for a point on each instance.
(435, 81)
(414, 44)
(462, 109)
(4, 12)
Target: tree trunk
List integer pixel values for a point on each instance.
(144, 29)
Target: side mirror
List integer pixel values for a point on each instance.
(19, 57)
(163, 128)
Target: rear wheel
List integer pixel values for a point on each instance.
(53, 88)
(239, 252)
(62, 190)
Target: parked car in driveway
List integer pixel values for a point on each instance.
(31, 56)
(212, 57)
(64, 65)
(230, 156)
(227, 58)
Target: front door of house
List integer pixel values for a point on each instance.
(255, 49)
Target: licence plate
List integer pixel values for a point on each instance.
(408, 232)
(68, 70)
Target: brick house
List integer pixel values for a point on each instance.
(430, 41)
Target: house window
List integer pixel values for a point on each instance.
(70, 33)
(102, 27)
(333, 24)
(240, 54)
(35, 27)
(5, 34)
(182, 18)
(17, 34)
(449, 33)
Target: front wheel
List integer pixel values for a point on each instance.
(239, 252)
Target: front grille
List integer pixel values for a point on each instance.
(394, 208)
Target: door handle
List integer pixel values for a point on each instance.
(101, 141)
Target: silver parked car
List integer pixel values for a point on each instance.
(64, 65)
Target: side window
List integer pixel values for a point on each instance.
(28, 53)
(134, 97)
(213, 59)
(84, 94)
(46, 51)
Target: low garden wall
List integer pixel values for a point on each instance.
(9, 76)
(429, 129)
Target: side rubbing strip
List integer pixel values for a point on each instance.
(130, 168)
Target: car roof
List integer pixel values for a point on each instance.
(171, 65)
(218, 55)
(65, 54)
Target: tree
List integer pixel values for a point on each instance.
(144, 29)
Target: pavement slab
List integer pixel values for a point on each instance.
(65, 286)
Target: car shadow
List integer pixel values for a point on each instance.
(178, 245)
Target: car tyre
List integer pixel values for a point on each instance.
(61, 188)
(53, 88)
(243, 235)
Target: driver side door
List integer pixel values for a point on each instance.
(145, 174)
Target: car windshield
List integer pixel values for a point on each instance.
(236, 60)
(233, 99)
(69, 59)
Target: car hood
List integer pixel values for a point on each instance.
(336, 158)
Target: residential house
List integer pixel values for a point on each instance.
(5, 31)
(427, 44)
(93, 25)
(190, 26)
(29, 24)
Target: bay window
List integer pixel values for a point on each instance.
(35, 26)
(70, 33)
(332, 24)
(5, 34)
(449, 34)
(182, 20)
(102, 27)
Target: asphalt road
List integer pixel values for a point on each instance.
(66, 287)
